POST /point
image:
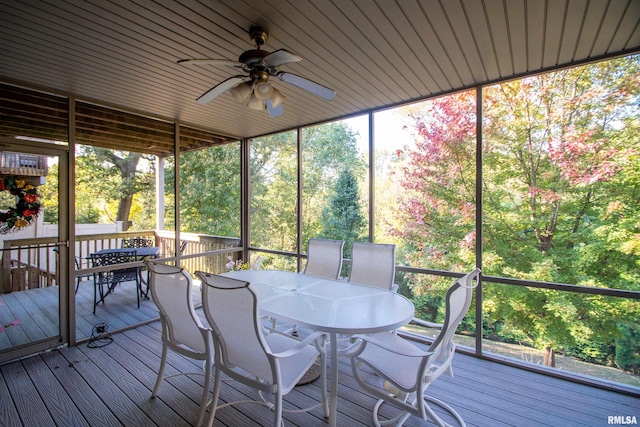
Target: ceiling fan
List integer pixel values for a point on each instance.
(254, 89)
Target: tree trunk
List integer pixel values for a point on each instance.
(124, 207)
(127, 166)
(549, 357)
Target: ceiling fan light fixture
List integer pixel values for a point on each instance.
(255, 103)
(277, 98)
(253, 88)
(263, 91)
(241, 92)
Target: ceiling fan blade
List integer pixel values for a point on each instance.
(280, 57)
(308, 85)
(214, 62)
(274, 111)
(220, 88)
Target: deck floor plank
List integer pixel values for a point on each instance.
(81, 388)
(174, 388)
(24, 393)
(125, 410)
(8, 412)
(543, 389)
(61, 407)
(42, 315)
(134, 380)
(523, 399)
(111, 385)
(37, 310)
(484, 394)
(27, 331)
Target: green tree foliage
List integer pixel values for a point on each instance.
(326, 150)
(342, 219)
(103, 190)
(274, 178)
(331, 172)
(560, 191)
(87, 210)
(49, 196)
(628, 348)
(110, 180)
(560, 205)
(210, 190)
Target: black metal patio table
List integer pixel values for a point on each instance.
(111, 279)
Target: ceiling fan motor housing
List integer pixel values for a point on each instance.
(259, 35)
(253, 57)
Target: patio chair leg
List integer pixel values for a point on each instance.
(97, 301)
(139, 291)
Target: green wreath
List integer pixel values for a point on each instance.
(27, 206)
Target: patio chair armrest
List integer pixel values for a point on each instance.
(78, 260)
(387, 341)
(301, 345)
(426, 324)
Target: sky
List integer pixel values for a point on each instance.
(388, 130)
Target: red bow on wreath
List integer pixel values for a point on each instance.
(27, 206)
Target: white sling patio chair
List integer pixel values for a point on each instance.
(324, 258)
(182, 330)
(407, 371)
(271, 363)
(373, 264)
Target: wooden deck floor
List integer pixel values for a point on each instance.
(111, 386)
(37, 311)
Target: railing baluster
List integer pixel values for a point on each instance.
(29, 263)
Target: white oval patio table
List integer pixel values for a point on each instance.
(331, 306)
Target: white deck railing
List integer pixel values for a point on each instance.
(33, 262)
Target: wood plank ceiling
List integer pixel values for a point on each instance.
(374, 53)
